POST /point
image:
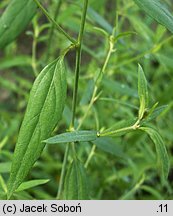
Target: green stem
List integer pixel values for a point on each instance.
(34, 64)
(88, 108)
(63, 172)
(34, 50)
(92, 152)
(60, 29)
(116, 131)
(73, 151)
(83, 20)
(110, 51)
(75, 91)
(112, 133)
(36, 33)
(52, 29)
(78, 62)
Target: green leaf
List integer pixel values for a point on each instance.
(15, 19)
(30, 184)
(154, 192)
(97, 18)
(3, 196)
(141, 28)
(117, 87)
(113, 100)
(107, 144)
(102, 31)
(124, 34)
(142, 91)
(76, 186)
(157, 11)
(74, 136)
(15, 61)
(87, 95)
(156, 112)
(128, 194)
(5, 167)
(44, 110)
(2, 184)
(162, 154)
(12, 86)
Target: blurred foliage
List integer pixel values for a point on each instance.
(127, 169)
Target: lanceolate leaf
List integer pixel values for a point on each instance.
(87, 93)
(109, 145)
(3, 184)
(15, 19)
(44, 110)
(5, 167)
(142, 91)
(14, 61)
(158, 11)
(95, 17)
(76, 186)
(158, 111)
(30, 184)
(74, 136)
(162, 154)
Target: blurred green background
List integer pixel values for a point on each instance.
(126, 167)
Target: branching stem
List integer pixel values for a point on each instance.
(75, 92)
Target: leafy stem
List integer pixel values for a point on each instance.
(61, 182)
(60, 29)
(94, 95)
(75, 91)
(99, 78)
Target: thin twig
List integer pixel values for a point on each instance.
(52, 29)
(60, 29)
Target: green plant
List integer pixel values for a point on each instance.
(47, 102)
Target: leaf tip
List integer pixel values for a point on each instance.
(9, 194)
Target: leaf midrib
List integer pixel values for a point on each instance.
(34, 130)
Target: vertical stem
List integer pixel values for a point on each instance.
(88, 108)
(62, 177)
(34, 46)
(110, 51)
(75, 91)
(34, 64)
(92, 152)
(78, 61)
